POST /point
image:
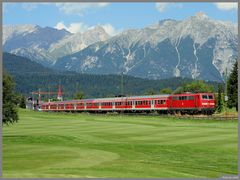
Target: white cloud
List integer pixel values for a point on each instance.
(110, 29)
(78, 8)
(77, 27)
(226, 6)
(81, 27)
(60, 25)
(73, 27)
(161, 7)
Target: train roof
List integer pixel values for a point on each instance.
(117, 98)
(128, 97)
(131, 97)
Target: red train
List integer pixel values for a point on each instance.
(188, 103)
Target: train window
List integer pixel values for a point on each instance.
(190, 98)
(159, 101)
(175, 98)
(210, 96)
(129, 103)
(204, 97)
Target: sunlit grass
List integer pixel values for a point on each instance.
(83, 145)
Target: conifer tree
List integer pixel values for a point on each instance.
(9, 100)
(232, 87)
(219, 99)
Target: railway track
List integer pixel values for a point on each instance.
(204, 117)
(210, 117)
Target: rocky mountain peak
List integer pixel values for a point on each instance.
(97, 28)
(201, 15)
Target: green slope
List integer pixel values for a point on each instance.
(31, 76)
(82, 145)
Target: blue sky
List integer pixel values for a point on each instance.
(114, 17)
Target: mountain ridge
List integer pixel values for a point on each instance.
(168, 49)
(197, 47)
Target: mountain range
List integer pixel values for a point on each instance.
(197, 47)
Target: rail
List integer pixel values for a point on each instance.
(210, 117)
(200, 117)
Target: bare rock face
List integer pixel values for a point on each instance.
(197, 47)
(45, 45)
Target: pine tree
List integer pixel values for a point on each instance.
(219, 99)
(9, 100)
(232, 87)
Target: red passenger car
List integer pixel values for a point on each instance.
(179, 103)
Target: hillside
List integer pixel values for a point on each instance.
(20, 65)
(31, 76)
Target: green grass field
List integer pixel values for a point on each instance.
(82, 145)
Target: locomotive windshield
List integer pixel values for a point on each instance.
(207, 96)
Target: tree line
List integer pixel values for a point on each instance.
(13, 100)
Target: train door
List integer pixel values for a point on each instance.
(196, 99)
(152, 104)
(113, 105)
(133, 104)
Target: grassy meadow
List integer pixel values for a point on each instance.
(83, 145)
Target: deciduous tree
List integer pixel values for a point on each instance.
(79, 95)
(195, 87)
(166, 91)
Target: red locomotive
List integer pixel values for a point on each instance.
(188, 103)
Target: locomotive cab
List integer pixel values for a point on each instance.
(207, 103)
